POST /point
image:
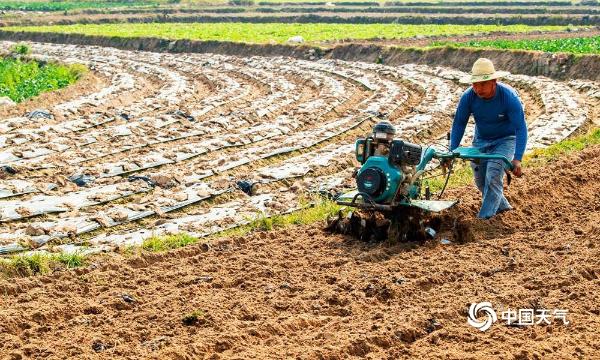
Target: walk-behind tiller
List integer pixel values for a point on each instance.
(389, 201)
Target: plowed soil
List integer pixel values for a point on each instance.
(302, 293)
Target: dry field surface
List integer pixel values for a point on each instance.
(302, 293)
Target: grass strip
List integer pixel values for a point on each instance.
(168, 242)
(39, 263)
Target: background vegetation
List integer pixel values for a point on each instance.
(21, 78)
(277, 32)
(67, 5)
(589, 45)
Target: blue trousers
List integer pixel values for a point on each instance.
(489, 175)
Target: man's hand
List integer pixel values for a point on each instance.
(445, 164)
(517, 171)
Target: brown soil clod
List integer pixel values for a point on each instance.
(462, 231)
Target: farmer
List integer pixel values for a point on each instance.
(500, 128)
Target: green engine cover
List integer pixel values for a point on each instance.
(379, 179)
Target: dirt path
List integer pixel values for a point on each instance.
(301, 293)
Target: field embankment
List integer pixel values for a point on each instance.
(557, 66)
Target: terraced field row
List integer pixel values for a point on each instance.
(277, 32)
(199, 143)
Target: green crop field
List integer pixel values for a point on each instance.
(23, 79)
(276, 32)
(435, 2)
(37, 5)
(589, 45)
(67, 5)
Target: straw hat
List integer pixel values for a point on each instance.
(483, 70)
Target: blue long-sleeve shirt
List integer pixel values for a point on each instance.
(495, 118)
